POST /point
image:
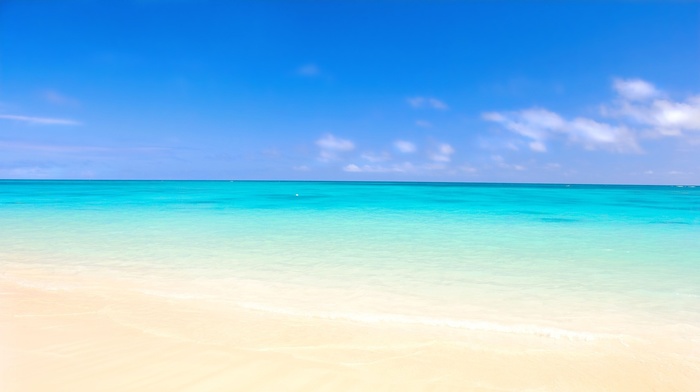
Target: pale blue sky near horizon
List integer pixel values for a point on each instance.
(499, 91)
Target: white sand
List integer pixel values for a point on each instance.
(105, 336)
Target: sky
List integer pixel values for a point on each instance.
(469, 91)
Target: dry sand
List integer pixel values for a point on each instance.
(105, 336)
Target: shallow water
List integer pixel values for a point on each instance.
(581, 262)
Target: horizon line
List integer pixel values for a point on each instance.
(350, 181)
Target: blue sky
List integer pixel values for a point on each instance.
(584, 92)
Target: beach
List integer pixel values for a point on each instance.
(370, 196)
(246, 286)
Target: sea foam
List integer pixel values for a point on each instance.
(472, 325)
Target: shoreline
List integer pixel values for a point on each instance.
(101, 334)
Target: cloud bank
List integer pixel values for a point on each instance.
(638, 111)
(331, 146)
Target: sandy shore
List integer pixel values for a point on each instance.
(105, 336)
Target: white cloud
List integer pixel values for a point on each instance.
(501, 162)
(408, 167)
(640, 110)
(372, 157)
(309, 70)
(592, 134)
(352, 168)
(39, 120)
(635, 89)
(446, 149)
(533, 123)
(677, 115)
(427, 102)
(404, 146)
(540, 125)
(330, 142)
(395, 168)
(648, 107)
(537, 146)
(443, 153)
(663, 116)
(330, 146)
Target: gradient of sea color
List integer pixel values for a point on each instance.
(574, 261)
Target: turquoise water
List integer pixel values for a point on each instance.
(579, 258)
